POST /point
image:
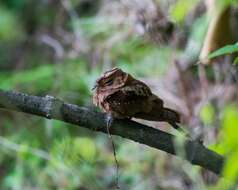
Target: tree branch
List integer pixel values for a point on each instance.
(53, 108)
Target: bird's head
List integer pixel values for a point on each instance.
(111, 80)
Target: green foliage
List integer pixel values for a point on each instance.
(207, 114)
(73, 151)
(10, 29)
(140, 58)
(71, 76)
(227, 145)
(87, 25)
(180, 9)
(14, 4)
(236, 61)
(227, 2)
(37, 153)
(229, 49)
(41, 76)
(197, 33)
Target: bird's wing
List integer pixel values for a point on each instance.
(131, 99)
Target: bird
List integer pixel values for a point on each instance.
(122, 96)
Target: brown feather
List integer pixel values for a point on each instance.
(121, 95)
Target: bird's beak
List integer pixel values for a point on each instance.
(95, 86)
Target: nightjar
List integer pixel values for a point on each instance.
(119, 94)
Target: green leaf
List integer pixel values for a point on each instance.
(224, 50)
(235, 61)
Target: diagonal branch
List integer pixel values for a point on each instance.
(53, 108)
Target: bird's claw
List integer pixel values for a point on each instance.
(109, 120)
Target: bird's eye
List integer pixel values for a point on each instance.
(108, 83)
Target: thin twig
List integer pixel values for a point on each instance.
(184, 90)
(114, 154)
(203, 79)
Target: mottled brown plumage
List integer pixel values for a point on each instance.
(121, 95)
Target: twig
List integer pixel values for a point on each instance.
(114, 152)
(203, 80)
(183, 85)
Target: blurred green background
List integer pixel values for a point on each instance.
(60, 47)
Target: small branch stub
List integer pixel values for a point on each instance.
(53, 107)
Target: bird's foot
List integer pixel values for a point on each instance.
(109, 120)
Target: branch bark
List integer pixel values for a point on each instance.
(53, 108)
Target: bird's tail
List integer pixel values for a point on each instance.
(170, 115)
(160, 114)
(164, 114)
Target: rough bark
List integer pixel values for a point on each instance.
(53, 108)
